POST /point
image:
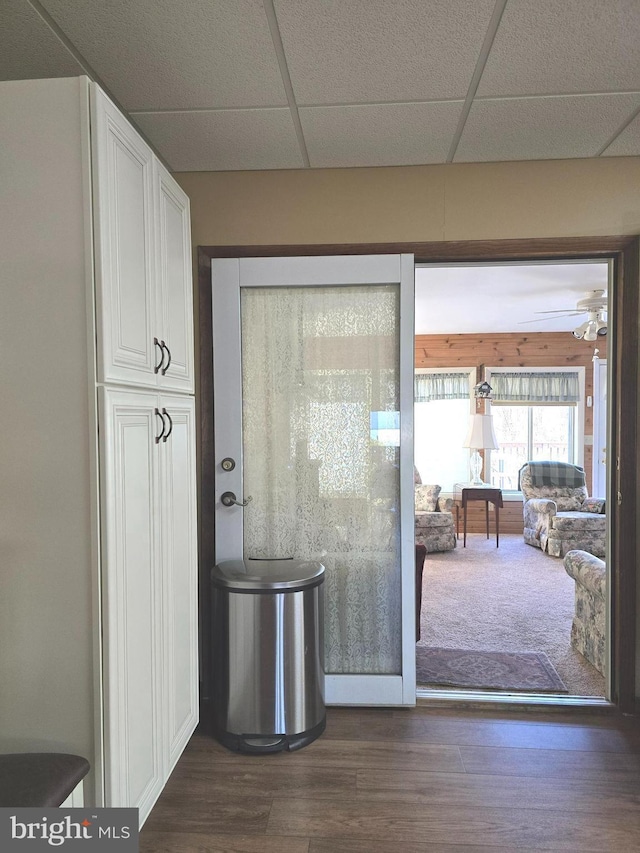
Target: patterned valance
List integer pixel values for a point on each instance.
(547, 387)
(441, 386)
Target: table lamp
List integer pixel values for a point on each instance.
(480, 437)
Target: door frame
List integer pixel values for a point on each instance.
(624, 400)
(600, 430)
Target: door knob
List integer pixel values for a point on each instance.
(229, 499)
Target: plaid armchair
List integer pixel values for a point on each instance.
(559, 515)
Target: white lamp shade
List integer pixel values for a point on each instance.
(481, 435)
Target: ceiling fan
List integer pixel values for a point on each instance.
(594, 305)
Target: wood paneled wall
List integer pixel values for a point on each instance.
(513, 349)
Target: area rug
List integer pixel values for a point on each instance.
(532, 672)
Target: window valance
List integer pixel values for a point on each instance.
(547, 387)
(441, 386)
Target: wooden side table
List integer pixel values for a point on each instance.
(466, 492)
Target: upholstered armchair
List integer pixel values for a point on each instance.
(435, 528)
(588, 627)
(559, 515)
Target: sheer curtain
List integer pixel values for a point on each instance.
(320, 368)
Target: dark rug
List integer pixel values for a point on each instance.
(532, 672)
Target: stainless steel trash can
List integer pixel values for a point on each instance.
(268, 654)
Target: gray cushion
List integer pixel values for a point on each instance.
(39, 779)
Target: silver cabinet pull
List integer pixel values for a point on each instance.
(229, 499)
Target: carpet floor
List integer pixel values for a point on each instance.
(513, 598)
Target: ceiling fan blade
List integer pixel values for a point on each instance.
(566, 311)
(545, 319)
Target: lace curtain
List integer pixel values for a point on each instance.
(441, 386)
(318, 364)
(547, 387)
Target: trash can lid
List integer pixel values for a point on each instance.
(266, 575)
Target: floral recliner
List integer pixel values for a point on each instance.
(558, 519)
(433, 519)
(588, 628)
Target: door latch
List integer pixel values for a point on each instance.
(229, 499)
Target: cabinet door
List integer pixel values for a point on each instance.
(178, 538)
(173, 244)
(124, 242)
(132, 600)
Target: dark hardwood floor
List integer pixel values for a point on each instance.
(413, 781)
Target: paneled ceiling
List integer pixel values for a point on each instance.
(288, 84)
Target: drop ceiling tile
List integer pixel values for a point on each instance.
(573, 46)
(627, 144)
(362, 51)
(542, 128)
(224, 140)
(29, 49)
(380, 134)
(162, 54)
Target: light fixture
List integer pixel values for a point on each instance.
(591, 329)
(479, 437)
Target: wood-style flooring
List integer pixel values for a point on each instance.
(413, 781)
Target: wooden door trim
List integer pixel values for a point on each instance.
(624, 396)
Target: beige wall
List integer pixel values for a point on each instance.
(559, 198)
(47, 499)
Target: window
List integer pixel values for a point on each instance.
(530, 432)
(536, 415)
(441, 419)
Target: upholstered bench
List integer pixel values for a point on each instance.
(39, 779)
(588, 627)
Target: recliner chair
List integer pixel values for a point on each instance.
(434, 526)
(559, 515)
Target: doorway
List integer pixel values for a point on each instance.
(501, 618)
(623, 401)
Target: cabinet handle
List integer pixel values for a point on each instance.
(160, 345)
(165, 412)
(164, 346)
(158, 437)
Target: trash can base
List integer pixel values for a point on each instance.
(261, 744)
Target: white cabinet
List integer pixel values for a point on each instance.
(178, 540)
(98, 619)
(132, 589)
(143, 259)
(148, 483)
(175, 289)
(124, 204)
